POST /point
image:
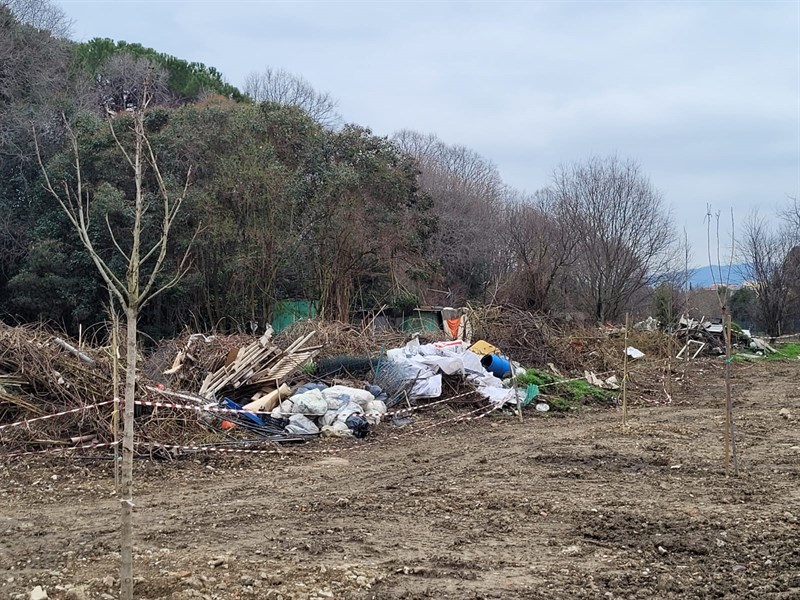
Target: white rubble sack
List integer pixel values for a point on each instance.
(342, 393)
(374, 411)
(301, 424)
(309, 403)
(338, 429)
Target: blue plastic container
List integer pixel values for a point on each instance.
(497, 365)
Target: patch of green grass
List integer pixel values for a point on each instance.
(784, 352)
(564, 394)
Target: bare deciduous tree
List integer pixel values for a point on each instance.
(119, 84)
(766, 251)
(540, 247)
(136, 285)
(467, 194)
(42, 14)
(791, 218)
(625, 235)
(282, 87)
(34, 73)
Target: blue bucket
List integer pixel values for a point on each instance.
(496, 365)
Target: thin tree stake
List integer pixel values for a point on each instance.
(730, 439)
(625, 375)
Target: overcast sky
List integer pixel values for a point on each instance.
(705, 95)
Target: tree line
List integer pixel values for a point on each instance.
(770, 251)
(286, 201)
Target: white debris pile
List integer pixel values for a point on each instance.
(426, 363)
(337, 411)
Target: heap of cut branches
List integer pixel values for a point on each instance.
(184, 362)
(43, 374)
(529, 338)
(38, 377)
(535, 340)
(341, 339)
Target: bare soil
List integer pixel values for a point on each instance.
(556, 507)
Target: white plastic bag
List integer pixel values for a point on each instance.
(301, 424)
(309, 403)
(351, 408)
(342, 392)
(338, 429)
(329, 418)
(374, 411)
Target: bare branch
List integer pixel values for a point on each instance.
(282, 87)
(114, 240)
(76, 216)
(183, 268)
(119, 144)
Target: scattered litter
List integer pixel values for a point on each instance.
(555, 371)
(649, 324)
(38, 593)
(531, 392)
(686, 348)
(483, 347)
(611, 383)
(762, 345)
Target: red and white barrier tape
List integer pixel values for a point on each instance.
(217, 409)
(218, 450)
(196, 407)
(355, 448)
(420, 406)
(58, 414)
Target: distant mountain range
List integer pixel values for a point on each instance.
(703, 277)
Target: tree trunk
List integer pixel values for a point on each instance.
(126, 572)
(730, 434)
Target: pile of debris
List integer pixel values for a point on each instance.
(707, 336)
(316, 379)
(54, 393)
(41, 374)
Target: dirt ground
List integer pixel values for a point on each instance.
(557, 507)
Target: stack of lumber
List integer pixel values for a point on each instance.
(258, 369)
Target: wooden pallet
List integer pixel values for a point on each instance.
(260, 365)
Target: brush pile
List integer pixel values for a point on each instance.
(43, 375)
(537, 340)
(38, 377)
(184, 362)
(341, 339)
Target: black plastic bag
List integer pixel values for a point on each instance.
(358, 425)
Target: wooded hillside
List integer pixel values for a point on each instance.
(285, 202)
